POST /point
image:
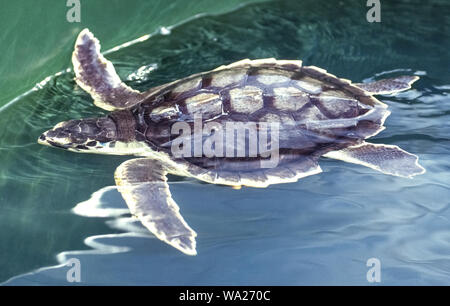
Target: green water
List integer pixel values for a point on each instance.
(37, 40)
(320, 230)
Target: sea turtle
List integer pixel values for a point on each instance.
(316, 114)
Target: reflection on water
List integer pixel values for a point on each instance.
(320, 230)
(312, 237)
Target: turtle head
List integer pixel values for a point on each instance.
(85, 135)
(114, 134)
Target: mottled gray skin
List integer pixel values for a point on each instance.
(77, 133)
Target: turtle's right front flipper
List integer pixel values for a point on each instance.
(143, 184)
(97, 75)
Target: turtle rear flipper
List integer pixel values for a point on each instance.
(385, 158)
(143, 184)
(389, 86)
(97, 75)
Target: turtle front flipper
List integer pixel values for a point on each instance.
(389, 86)
(97, 75)
(143, 184)
(385, 158)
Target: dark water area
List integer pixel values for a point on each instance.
(56, 205)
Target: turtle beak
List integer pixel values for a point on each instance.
(43, 139)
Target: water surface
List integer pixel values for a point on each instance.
(320, 230)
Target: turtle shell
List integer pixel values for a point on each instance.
(317, 112)
(254, 88)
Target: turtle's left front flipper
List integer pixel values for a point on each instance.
(385, 158)
(389, 86)
(97, 76)
(143, 184)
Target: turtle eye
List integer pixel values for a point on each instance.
(91, 143)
